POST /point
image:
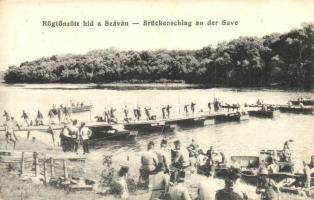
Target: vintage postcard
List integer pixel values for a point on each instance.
(207, 100)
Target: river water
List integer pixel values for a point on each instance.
(244, 138)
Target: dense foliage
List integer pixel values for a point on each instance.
(282, 59)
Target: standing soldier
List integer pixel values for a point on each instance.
(107, 116)
(66, 112)
(39, 118)
(139, 113)
(147, 113)
(112, 110)
(135, 113)
(193, 107)
(60, 110)
(51, 116)
(209, 106)
(126, 112)
(25, 118)
(186, 109)
(10, 127)
(74, 133)
(85, 134)
(112, 115)
(6, 115)
(104, 114)
(163, 110)
(168, 110)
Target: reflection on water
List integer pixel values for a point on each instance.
(245, 138)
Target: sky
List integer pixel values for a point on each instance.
(23, 38)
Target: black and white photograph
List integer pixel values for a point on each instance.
(157, 100)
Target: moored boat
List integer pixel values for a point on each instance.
(150, 127)
(261, 113)
(231, 106)
(305, 102)
(114, 132)
(229, 117)
(249, 166)
(296, 110)
(190, 121)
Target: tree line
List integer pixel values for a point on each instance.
(285, 59)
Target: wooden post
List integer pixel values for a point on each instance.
(52, 169)
(65, 169)
(22, 164)
(36, 164)
(45, 171)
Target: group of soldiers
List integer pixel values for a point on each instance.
(26, 120)
(164, 177)
(72, 137)
(110, 117)
(62, 113)
(11, 125)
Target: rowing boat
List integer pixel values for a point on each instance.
(78, 109)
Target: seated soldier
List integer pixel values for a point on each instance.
(179, 191)
(159, 183)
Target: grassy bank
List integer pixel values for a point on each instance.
(13, 188)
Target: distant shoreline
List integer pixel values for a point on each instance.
(141, 86)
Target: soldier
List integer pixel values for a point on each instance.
(193, 107)
(85, 134)
(139, 112)
(179, 157)
(147, 113)
(163, 110)
(266, 186)
(66, 113)
(179, 190)
(39, 118)
(149, 162)
(10, 127)
(51, 116)
(25, 118)
(228, 192)
(186, 109)
(168, 110)
(135, 113)
(106, 116)
(6, 115)
(126, 112)
(209, 106)
(162, 155)
(74, 133)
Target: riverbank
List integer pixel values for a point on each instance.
(143, 86)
